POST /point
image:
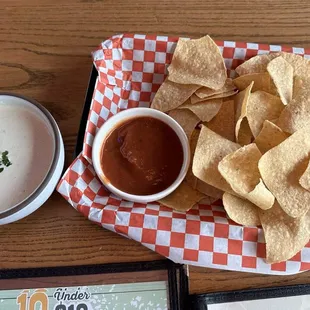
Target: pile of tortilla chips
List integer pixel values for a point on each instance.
(249, 138)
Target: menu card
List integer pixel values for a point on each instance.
(129, 296)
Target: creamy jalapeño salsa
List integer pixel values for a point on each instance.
(27, 148)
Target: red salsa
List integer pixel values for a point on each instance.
(142, 156)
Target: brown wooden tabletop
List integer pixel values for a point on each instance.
(45, 54)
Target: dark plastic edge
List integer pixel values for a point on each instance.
(184, 289)
(86, 269)
(173, 289)
(201, 301)
(87, 103)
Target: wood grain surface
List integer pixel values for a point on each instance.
(45, 54)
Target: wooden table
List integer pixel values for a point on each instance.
(45, 54)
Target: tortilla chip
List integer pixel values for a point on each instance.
(270, 136)
(198, 62)
(239, 100)
(224, 95)
(171, 95)
(205, 92)
(274, 121)
(186, 119)
(281, 168)
(262, 106)
(304, 180)
(195, 99)
(207, 201)
(245, 135)
(224, 121)
(242, 130)
(296, 115)
(301, 65)
(281, 73)
(240, 170)
(261, 196)
(183, 198)
(210, 149)
(205, 110)
(298, 86)
(190, 178)
(262, 81)
(257, 64)
(193, 141)
(212, 200)
(285, 236)
(200, 186)
(209, 190)
(241, 211)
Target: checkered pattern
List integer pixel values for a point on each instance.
(131, 69)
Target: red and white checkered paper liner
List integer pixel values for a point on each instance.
(131, 68)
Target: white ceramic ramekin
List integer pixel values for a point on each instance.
(47, 186)
(112, 123)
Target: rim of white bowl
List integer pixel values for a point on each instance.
(57, 138)
(120, 118)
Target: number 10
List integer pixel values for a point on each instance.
(39, 296)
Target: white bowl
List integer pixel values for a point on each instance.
(46, 185)
(113, 122)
